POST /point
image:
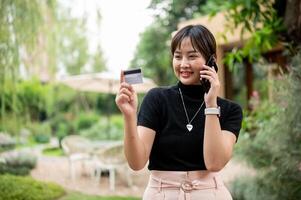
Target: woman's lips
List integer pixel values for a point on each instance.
(186, 74)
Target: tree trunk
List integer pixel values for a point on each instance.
(292, 20)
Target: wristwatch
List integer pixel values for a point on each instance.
(213, 111)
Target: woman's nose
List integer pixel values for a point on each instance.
(184, 63)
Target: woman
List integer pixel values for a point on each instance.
(186, 133)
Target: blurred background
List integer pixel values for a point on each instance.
(61, 135)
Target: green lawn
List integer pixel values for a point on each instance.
(78, 196)
(54, 151)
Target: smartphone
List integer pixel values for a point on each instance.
(211, 63)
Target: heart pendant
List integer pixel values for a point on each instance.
(189, 127)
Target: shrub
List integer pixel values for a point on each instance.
(105, 130)
(6, 142)
(41, 132)
(62, 124)
(24, 136)
(26, 188)
(85, 121)
(65, 99)
(10, 124)
(17, 163)
(248, 188)
(275, 150)
(33, 98)
(253, 138)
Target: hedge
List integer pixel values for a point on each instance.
(26, 188)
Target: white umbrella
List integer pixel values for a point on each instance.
(104, 82)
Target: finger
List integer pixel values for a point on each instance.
(124, 98)
(209, 78)
(210, 68)
(126, 85)
(126, 91)
(207, 72)
(122, 79)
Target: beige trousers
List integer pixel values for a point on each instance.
(191, 185)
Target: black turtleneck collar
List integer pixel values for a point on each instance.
(193, 91)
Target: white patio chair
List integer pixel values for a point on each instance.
(78, 149)
(111, 159)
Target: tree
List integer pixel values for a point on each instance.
(20, 21)
(73, 43)
(171, 12)
(269, 23)
(156, 64)
(34, 36)
(274, 150)
(98, 61)
(152, 52)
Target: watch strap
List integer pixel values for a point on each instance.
(213, 111)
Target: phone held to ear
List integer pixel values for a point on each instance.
(211, 63)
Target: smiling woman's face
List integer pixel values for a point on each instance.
(187, 63)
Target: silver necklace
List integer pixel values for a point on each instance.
(189, 125)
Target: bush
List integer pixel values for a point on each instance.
(105, 130)
(41, 132)
(26, 188)
(10, 124)
(65, 99)
(85, 121)
(33, 98)
(6, 142)
(17, 163)
(62, 124)
(248, 188)
(275, 150)
(253, 137)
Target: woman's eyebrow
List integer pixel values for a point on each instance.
(192, 51)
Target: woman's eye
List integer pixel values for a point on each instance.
(177, 56)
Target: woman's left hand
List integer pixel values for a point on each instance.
(210, 74)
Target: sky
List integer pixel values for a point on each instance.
(118, 33)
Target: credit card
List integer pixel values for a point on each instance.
(133, 76)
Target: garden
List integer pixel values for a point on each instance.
(52, 136)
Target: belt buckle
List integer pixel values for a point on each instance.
(186, 186)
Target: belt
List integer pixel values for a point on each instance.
(186, 186)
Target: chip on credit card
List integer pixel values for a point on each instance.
(133, 76)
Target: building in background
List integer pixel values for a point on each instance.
(234, 39)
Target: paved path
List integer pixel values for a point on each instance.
(55, 169)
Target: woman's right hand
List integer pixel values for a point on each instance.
(126, 98)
